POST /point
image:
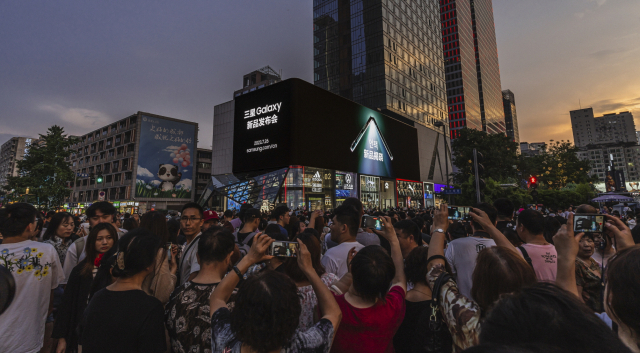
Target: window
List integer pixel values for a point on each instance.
(117, 177)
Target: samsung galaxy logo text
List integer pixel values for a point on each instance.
(262, 110)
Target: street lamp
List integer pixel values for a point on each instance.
(446, 147)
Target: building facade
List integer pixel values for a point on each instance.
(607, 129)
(623, 157)
(258, 79)
(242, 172)
(10, 153)
(203, 170)
(532, 149)
(138, 163)
(474, 93)
(510, 115)
(383, 54)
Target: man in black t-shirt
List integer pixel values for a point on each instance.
(505, 214)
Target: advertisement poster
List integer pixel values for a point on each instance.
(296, 123)
(166, 159)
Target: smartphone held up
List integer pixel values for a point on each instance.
(372, 222)
(284, 249)
(588, 223)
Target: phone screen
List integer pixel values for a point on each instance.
(372, 222)
(458, 213)
(592, 223)
(284, 249)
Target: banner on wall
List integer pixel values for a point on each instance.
(165, 166)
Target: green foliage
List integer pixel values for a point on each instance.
(500, 155)
(492, 192)
(557, 166)
(44, 169)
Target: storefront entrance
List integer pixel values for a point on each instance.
(370, 191)
(314, 201)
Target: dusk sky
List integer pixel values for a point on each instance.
(82, 65)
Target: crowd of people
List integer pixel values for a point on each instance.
(506, 279)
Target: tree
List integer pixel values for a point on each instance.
(44, 169)
(557, 166)
(500, 155)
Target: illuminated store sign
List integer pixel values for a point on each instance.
(316, 182)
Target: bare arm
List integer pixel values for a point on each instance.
(312, 219)
(436, 245)
(223, 291)
(389, 233)
(567, 246)
(621, 233)
(482, 218)
(329, 308)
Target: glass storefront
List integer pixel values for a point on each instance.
(370, 191)
(429, 200)
(346, 186)
(308, 187)
(410, 193)
(387, 193)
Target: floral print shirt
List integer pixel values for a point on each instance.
(61, 246)
(461, 313)
(316, 339)
(188, 319)
(309, 301)
(588, 277)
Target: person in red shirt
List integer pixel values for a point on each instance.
(373, 307)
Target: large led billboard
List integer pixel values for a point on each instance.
(166, 158)
(296, 123)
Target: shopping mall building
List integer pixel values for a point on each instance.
(292, 142)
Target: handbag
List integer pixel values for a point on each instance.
(439, 338)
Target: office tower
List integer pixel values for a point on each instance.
(383, 54)
(532, 149)
(10, 153)
(474, 94)
(510, 116)
(607, 129)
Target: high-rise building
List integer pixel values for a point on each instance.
(607, 129)
(510, 116)
(10, 153)
(474, 93)
(257, 79)
(383, 54)
(622, 157)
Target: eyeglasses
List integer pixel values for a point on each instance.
(189, 219)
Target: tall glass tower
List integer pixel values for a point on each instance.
(474, 94)
(384, 54)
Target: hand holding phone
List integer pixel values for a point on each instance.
(588, 223)
(372, 222)
(284, 249)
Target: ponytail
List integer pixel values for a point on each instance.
(137, 250)
(15, 218)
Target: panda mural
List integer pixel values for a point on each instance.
(169, 175)
(165, 168)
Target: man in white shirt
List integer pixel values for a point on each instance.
(343, 231)
(461, 253)
(37, 272)
(363, 237)
(191, 222)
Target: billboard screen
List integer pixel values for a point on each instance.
(314, 127)
(165, 159)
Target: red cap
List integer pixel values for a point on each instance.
(210, 215)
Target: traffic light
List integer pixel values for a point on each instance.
(99, 179)
(478, 170)
(533, 182)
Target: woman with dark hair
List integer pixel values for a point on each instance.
(162, 281)
(588, 277)
(415, 333)
(122, 317)
(59, 233)
(373, 307)
(308, 299)
(623, 282)
(76, 294)
(547, 314)
(293, 227)
(267, 309)
(499, 270)
(130, 224)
